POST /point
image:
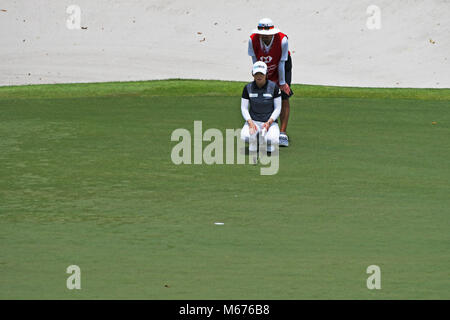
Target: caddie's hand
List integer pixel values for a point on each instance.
(286, 89)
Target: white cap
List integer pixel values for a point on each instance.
(259, 66)
(265, 26)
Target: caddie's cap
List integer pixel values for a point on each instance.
(265, 26)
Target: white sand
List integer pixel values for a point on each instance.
(141, 40)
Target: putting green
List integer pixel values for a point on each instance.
(87, 180)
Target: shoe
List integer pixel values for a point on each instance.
(284, 140)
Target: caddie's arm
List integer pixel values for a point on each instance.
(281, 66)
(251, 52)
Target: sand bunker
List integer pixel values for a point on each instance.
(331, 42)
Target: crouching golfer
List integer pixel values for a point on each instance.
(264, 98)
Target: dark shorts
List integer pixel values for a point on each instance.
(287, 77)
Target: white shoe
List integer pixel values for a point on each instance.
(284, 140)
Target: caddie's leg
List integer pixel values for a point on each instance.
(285, 105)
(285, 110)
(284, 116)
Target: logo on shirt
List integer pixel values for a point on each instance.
(266, 59)
(253, 95)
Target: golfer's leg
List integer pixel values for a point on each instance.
(258, 126)
(245, 132)
(273, 136)
(250, 138)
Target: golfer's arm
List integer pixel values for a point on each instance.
(244, 109)
(276, 112)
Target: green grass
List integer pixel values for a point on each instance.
(86, 178)
(185, 87)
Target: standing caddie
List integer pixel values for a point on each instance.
(269, 45)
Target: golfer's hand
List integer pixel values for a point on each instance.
(252, 126)
(286, 89)
(266, 125)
